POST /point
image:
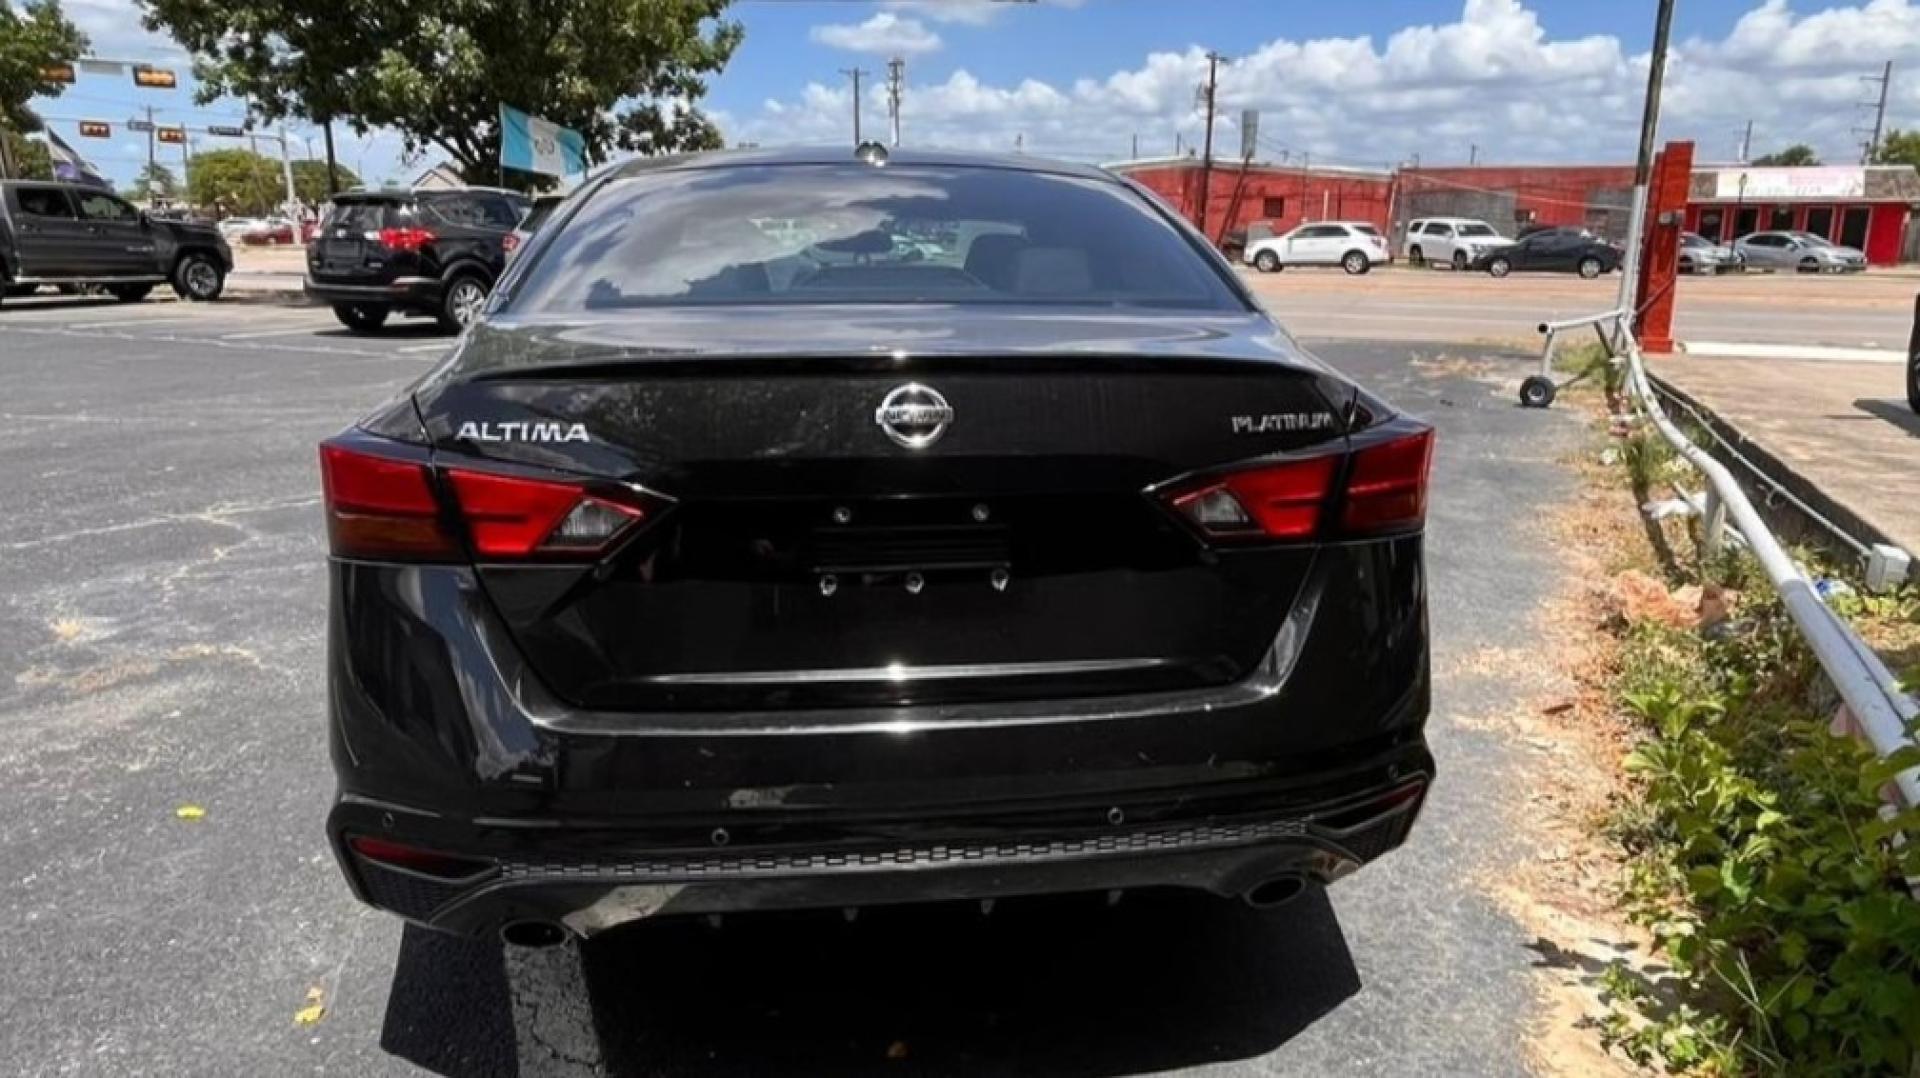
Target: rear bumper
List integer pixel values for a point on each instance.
(401, 291)
(446, 743)
(591, 880)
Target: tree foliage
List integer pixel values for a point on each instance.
(438, 70)
(310, 180)
(1797, 154)
(155, 181)
(32, 38)
(31, 160)
(1898, 148)
(246, 183)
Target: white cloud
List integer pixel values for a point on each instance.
(1496, 78)
(885, 33)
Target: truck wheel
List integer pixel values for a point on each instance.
(130, 293)
(1416, 257)
(1459, 260)
(360, 317)
(198, 277)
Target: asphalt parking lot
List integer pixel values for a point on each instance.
(162, 568)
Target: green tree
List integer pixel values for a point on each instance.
(1797, 154)
(310, 180)
(1898, 148)
(438, 70)
(246, 183)
(30, 158)
(155, 181)
(32, 38)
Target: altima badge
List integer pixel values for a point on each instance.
(914, 416)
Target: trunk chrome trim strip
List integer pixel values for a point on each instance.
(901, 673)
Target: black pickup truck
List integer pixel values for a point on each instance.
(77, 236)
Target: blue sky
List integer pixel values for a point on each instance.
(1365, 84)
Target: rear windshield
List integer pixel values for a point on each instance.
(361, 216)
(1366, 230)
(857, 233)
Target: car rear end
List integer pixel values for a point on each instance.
(374, 248)
(746, 568)
(1372, 242)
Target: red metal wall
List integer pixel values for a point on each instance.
(1554, 194)
(1886, 224)
(1306, 195)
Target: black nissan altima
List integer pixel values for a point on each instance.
(820, 529)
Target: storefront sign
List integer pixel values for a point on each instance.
(1761, 184)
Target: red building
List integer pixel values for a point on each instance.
(1240, 196)
(1868, 207)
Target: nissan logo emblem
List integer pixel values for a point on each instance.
(914, 416)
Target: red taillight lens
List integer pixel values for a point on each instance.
(429, 862)
(510, 242)
(381, 508)
(514, 517)
(405, 239)
(1275, 501)
(1387, 490)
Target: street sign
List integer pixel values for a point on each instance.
(174, 135)
(1249, 133)
(95, 129)
(57, 73)
(229, 132)
(154, 78)
(139, 125)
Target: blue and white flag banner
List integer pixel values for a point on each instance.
(532, 144)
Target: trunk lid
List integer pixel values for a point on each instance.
(809, 558)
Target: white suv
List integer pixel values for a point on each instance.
(1452, 241)
(1354, 246)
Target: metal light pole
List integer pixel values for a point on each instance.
(854, 73)
(1206, 155)
(1643, 166)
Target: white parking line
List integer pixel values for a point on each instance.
(435, 346)
(292, 331)
(135, 320)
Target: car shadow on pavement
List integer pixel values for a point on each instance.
(1056, 986)
(1063, 986)
(1893, 411)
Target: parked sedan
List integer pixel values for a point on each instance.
(1562, 250)
(1803, 252)
(708, 574)
(1354, 246)
(1699, 254)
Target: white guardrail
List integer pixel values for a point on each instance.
(1876, 705)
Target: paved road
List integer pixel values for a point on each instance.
(161, 588)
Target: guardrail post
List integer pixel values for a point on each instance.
(1713, 531)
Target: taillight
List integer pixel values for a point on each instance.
(1275, 501)
(1385, 492)
(405, 239)
(510, 242)
(384, 508)
(509, 516)
(1387, 488)
(381, 508)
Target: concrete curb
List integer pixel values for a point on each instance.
(1793, 524)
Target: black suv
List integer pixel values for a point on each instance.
(76, 236)
(431, 252)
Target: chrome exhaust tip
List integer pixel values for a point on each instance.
(1275, 892)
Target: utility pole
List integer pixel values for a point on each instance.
(1473, 154)
(854, 73)
(150, 134)
(1885, 79)
(1206, 154)
(286, 169)
(1176, 144)
(896, 74)
(1746, 143)
(1643, 166)
(1135, 156)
